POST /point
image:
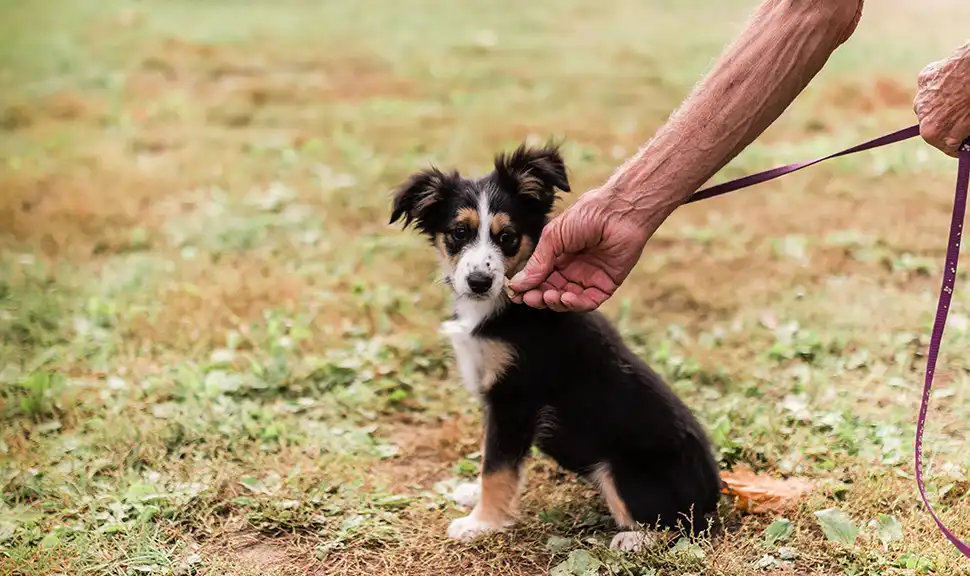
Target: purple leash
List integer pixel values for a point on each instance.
(946, 291)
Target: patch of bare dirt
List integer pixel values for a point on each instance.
(428, 449)
(259, 552)
(59, 107)
(233, 84)
(250, 553)
(79, 208)
(204, 300)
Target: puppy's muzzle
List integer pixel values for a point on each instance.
(479, 283)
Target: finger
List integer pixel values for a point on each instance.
(534, 299)
(589, 275)
(574, 288)
(577, 302)
(938, 137)
(540, 264)
(553, 300)
(585, 301)
(960, 134)
(954, 137)
(517, 297)
(951, 146)
(547, 286)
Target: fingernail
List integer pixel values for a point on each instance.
(518, 278)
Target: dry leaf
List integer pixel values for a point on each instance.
(762, 494)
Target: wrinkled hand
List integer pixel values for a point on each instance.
(943, 101)
(583, 255)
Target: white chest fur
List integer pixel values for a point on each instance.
(468, 353)
(481, 361)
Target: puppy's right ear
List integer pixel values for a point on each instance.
(534, 172)
(417, 199)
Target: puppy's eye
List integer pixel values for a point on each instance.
(507, 238)
(460, 233)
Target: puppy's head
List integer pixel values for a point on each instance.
(484, 229)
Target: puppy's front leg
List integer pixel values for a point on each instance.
(508, 437)
(495, 510)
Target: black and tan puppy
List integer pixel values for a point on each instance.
(562, 381)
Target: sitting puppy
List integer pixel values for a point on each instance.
(562, 381)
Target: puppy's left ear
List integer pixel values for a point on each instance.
(535, 172)
(419, 198)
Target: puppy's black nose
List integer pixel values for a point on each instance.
(479, 282)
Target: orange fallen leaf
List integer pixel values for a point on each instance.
(763, 494)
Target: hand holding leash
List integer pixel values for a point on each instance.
(943, 101)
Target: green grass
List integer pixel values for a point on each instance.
(216, 358)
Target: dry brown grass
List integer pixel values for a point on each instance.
(206, 300)
(79, 211)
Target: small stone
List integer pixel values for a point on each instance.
(766, 562)
(116, 383)
(222, 356)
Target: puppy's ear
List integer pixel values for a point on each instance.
(417, 198)
(535, 172)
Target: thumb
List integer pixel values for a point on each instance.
(540, 264)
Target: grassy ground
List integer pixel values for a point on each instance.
(217, 358)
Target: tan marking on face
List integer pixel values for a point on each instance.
(516, 263)
(497, 356)
(468, 216)
(449, 260)
(499, 221)
(500, 496)
(603, 478)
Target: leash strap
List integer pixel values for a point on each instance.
(946, 290)
(946, 294)
(751, 180)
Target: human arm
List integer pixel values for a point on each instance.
(586, 253)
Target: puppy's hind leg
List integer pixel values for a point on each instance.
(635, 541)
(631, 537)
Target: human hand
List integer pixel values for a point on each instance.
(583, 255)
(943, 101)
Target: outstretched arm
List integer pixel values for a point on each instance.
(587, 251)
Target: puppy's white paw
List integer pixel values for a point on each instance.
(467, 494)
(468, 528)
(633, 541)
